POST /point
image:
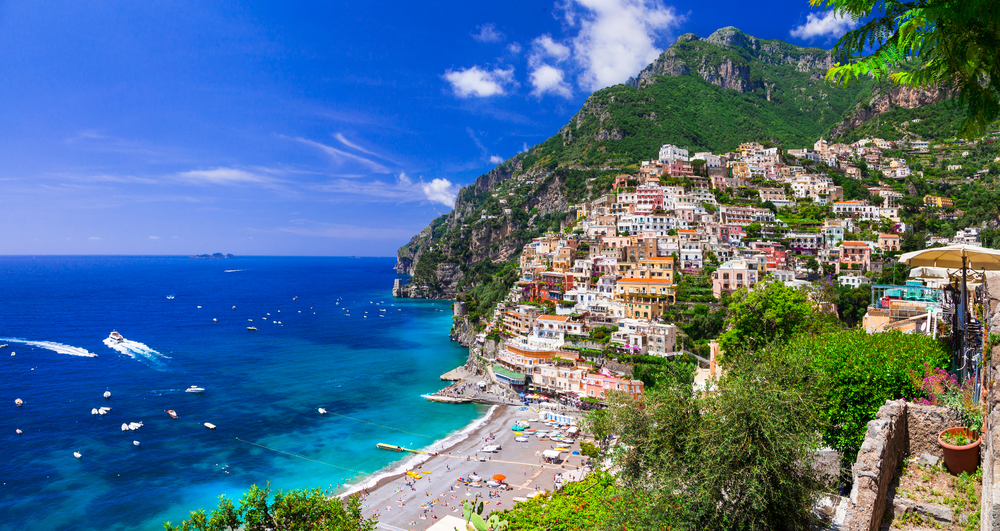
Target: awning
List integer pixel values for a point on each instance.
(551, 454)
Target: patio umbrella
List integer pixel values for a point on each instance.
(964, 257)
(499, 477)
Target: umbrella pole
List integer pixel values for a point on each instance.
(964, 323)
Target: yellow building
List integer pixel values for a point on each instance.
(937, 201)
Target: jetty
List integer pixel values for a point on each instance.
(395, 448)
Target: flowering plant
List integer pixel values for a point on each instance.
(942, 389)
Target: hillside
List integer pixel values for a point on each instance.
(706, 94)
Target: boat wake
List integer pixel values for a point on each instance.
(53, 346)
(135, 350)
(233, 270)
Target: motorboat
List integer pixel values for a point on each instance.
(18, 402)
(171, 297)
(77, 455)
(135, 443)
(215, 320)
(18, 431)
(252, 328)
(210, 426)
(107, 394)
(322, 411)
(124, 427)
(4, 345)
(172, 413)
(194, 389)
(134, 425)
(116, 337)
(93, 411)
(103, 410)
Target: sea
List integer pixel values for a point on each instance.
(329, 335)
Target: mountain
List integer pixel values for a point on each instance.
(706, 94)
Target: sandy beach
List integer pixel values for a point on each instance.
(439, 493)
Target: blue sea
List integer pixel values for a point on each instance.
(262, 389)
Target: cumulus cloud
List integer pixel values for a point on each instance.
(480, 82)
(549, 80)
(827, 25)
(496, 159)
(488, 33)
(441, 191)
(514, 48)
(617, 38)
(546, 47)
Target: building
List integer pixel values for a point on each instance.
(733, 275)
(855, 255)
(888, 243)
(672, 153)
(853, 281)
(645, 298)
(599, 386)
(938, 202)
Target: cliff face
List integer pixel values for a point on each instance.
(886, 99)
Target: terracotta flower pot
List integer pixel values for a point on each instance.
(960, 459)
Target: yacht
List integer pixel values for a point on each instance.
(18, 431)
(252, 328)
(194, 389)
(116, 337)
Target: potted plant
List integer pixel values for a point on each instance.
(960, 444)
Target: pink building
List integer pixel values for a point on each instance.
(733, 275)
(599, 386)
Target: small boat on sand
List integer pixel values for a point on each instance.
(172, 413)
(194, 389)
(210, 426)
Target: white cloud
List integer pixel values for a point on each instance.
(524, 148)
(549, 80)
(829, 25)
(514, 48)
(617, 38)
(223, 176)
(488, 33)
(441, 191)
(496, 159)
(478, 82)
(546, 47)
(340, 138)
(154, 237)
(340, 156)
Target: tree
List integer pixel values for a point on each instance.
(297, 510)
(956, 43)
(760, 316)
(812, 264)
(753, 230)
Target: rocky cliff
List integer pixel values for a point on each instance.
(885, 99)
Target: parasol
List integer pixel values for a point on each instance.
(499, 477)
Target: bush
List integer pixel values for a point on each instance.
(857, 372)
(590, 450)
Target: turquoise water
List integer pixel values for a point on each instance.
(262, 387)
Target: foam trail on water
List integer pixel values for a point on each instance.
(132, 348)
(53, 346)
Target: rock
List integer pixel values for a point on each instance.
(927, 459)
(939, 513)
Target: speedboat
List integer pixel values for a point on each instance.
(18, 402)
(4, 345)
(116, 337)
(135, 443)
(107, 394)
(18, 431)
(252, 328)
(124, 427)
(171, 297)
(103, 411)
(172, 413)
(93, 411)
(194, 389)
(77, 455)
(322, 411)
(210, 426)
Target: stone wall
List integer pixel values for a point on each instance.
(990, 510)
(878, 459)
(924, 424)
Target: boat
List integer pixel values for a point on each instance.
(134, 425)
(124, 427)
(383, 446)
(172, 413)
(194, 389)
(171, 297)
(107, 394)
(93, 411)
(77, 455)
(216, 320)
(135, 443)
(234, 307)
(18, 431)
(103, 411)
(210, 426)
(322, 411)
(4, 345)
(18, 402)
(116, 337)
(252, 328)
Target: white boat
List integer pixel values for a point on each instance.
(77, 455)
(103, 410)
(194, 389)
(116, 337)
(216, 320)
(210, 426)
(18, 431)
(134, 425)
(252, 328)
(124, 427)
(4, 345)
(322, 411)
(93, 411)
(107, 394)
(18, 402)
(135, 443)
(171, 297)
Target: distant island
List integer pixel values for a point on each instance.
(214, 256)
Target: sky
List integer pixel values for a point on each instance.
(302, 128)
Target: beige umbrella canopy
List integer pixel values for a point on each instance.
(977, 258)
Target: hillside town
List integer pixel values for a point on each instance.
(690, 228)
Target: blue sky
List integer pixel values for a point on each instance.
(299, 128)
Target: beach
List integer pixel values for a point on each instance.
(438, 492)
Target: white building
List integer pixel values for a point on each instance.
(672, 153)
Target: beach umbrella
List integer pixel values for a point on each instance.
(575, 452)
(499, 477)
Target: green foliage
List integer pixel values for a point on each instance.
(767, 314)
(852, 303)
(297, 510)
(956, 43)
(857, 372)
(590, 450)
(579, 506)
